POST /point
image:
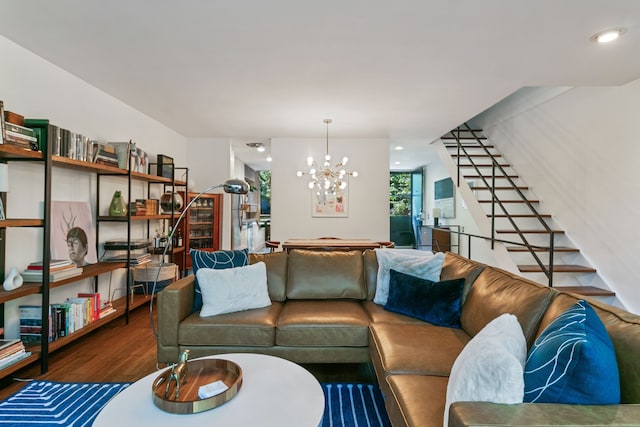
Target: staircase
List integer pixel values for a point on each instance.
(531, 237)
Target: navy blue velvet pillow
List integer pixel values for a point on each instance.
(217, 260)
(434, 302)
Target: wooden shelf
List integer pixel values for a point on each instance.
(8, 151)
(22, 291)
(6, 223)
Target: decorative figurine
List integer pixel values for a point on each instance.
(178, 374)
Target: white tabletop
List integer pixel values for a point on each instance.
(274, 392)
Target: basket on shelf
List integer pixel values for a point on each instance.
(145, 275)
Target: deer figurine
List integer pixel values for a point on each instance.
(178, 374)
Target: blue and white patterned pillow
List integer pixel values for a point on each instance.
(573, 361)
(217, 260)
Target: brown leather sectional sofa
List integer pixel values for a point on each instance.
(322, 311)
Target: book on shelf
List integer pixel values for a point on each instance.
(106, 310)
(135, 257)
(123, 244)
(10, 346)
(54, 276)
(15, 358)
(30, 323)
(95, 304)
(54, 265)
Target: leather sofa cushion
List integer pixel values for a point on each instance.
(276, 273)
(496, 292)
(323, 323)
(325, 275)
(370, 272)
(416, 400)
(407, 348)
(249, 328)
(456, 266)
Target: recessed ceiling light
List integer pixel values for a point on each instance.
(396, 163)
(399, 147)
(607, 35)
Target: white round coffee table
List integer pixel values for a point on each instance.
(275, 392)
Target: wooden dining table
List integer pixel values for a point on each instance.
(330, 244)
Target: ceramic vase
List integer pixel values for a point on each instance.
(118, 206)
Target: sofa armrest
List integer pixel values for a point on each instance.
(175, 303)
(483, 414)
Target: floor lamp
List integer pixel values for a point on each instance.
(232, 186)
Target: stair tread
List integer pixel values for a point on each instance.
(510, 201)
(530, 231)
(586, 291)
(476, 155)
(469, 165)
(558, 268)
(555, 249)
(499, 188)
(489, 176)
(520, 215)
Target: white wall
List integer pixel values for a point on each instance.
(368, 193)
(211, 162)
(33, 87)
(579, 152)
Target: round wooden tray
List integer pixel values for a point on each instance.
(200, 372)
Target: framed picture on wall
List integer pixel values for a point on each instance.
(325, 205)
(444, 197)
(73, 233)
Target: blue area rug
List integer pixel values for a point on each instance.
(46, 403)
(349, 404)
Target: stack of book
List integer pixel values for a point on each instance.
(136, 251)
(58, 269)
(104, 154)
(11, 351)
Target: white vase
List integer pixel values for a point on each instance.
(13, 280)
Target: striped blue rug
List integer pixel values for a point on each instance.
(46, 403)
(353, 405)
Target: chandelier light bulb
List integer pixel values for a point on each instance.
(311, 185)
(343, 185)
(312, 171)
(299, 173)
(327, 157)
(309, 161)
(345, 159)
(354, 174)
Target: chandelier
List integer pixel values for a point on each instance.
(327, 181)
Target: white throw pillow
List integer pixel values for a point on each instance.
(233, 289)
(422, 264)
(490, 368)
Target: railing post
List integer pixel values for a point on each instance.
(551, 252)
(493, 203)
(469, 247)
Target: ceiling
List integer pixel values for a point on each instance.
(406, 70)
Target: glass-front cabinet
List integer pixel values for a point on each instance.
(201, 229)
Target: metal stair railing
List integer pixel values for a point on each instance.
(547, 270)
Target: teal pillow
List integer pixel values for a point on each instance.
(439, 303)
(573, 361)
(217, 260)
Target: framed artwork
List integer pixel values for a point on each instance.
(73, 233)
(444, 197)
(330, 205)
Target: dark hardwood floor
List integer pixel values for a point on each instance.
(125, 353)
